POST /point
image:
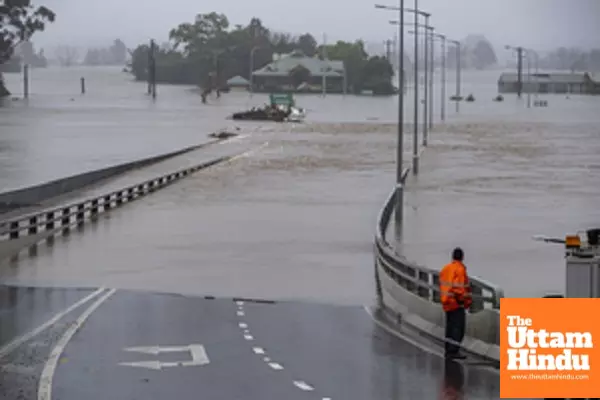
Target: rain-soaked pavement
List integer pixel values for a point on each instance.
(293, 220)
(107, 344)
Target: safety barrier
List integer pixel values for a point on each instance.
(407, 289)
(47, 222)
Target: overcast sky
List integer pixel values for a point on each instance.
(538, 24)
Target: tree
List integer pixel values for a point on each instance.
(354, 57)
(376, 75)
(118, 52)
(19, 20)
(299, 75)
(66, 55)
(484, 55)
(307, 44)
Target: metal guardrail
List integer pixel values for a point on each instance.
(422, 281)
(62, 218)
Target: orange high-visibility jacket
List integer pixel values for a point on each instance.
(454, 286)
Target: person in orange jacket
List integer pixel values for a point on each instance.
(455, 296)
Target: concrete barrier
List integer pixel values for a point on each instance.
(410, 293)
(33, 195)
(25, 231)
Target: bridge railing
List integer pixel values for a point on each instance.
(64, 217)
(418, 280)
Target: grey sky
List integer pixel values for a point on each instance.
(539, 24)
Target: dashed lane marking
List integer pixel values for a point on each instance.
(302, 385)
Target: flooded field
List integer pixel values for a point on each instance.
(295, 219)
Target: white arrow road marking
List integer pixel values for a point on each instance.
(199, 356)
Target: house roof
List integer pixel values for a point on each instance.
(287, 62)
(238, 80)
(512, 77)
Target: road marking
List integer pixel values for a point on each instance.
(199, 356)
(275, 365)
(31, 334)
(239, 303)
(45, 384)
(240, 313)
(248, 337)
(303, 385)
(243, 325)
(258, 350)
(266, 359)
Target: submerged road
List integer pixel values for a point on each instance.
(108, 344)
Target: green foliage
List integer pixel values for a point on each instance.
(208, 51)
(19, 20)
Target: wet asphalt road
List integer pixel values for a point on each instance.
(254, 350)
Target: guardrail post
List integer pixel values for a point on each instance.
(423, 291)
(33, 223)
(477, 304)
(14, 230)
(151, 186)
(119, 198)
(129, 194)
(106, 203)
(140, 190)
(436, 294)
(50, 221)
(80, 214)
(94, 209)
(66, 219)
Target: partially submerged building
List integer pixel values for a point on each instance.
(575, 83)
(297, 72)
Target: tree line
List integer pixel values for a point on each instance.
(208, 51)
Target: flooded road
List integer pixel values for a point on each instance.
(296, 217)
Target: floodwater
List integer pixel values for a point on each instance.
(295, 219)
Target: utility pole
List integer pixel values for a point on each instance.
(324, 82)
(152, 69)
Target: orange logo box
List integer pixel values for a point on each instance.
(549, 348)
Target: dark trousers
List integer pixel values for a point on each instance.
(455, 329)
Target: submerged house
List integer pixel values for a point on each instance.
(238, 83)
(297, 72)
(549, 83)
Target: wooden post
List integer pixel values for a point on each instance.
(26, 81)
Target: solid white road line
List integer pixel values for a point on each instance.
(45, 384)
(31, 334)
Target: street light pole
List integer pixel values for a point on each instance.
(443, 98)
(425, 84)
(458, 52)
(416, 96)
(252, 69)
(431, 76)
(528, 79)
(399, 213)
